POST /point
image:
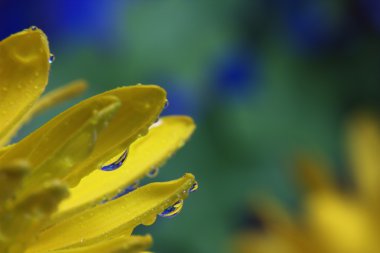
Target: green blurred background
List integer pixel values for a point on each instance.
(264, 80)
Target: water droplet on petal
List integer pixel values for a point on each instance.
(33, 28)
(166, 104)
(156, 123)
(172, 210)
(153, 172)
(51, 58)
(194, 187)
(115, 165)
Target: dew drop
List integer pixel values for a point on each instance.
(194, 187)
(51, 58)
(166, 104)
(115, 165)
(153, 172)
(33, 28)
(156, 123)
(172, 210)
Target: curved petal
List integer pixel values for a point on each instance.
(129, 244)
(76, 147)
(52, 98)
(334, 218)
(114, 218)
(4, 149)
(47, 143)
(363, 146)
(11, 176)
(58, 96)
(140, 105)
(24, 70)
(23, 217)
(159, 144)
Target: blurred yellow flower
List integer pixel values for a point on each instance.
(63, 187)
(333, 219)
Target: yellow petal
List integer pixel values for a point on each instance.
(11, 176)
(5, 149)
(24, 69)
(130, 244)
(158, 145)
(140, 105)
(313, 175)
(23, 217)
(364, 146)
(67, 155)
(341, 224)
(256, 242)
(115, 218)
(55, 148)
(46, 102)
(57, 96)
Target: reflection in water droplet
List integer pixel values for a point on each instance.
(115, 165)
(194, 187)
(156, 123)
(127, 190)
(172, 210)
(166, 103)
(51, 58)
(153, 172)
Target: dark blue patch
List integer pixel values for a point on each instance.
(115, 165)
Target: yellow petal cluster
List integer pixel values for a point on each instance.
(333, 219)
(54, 194)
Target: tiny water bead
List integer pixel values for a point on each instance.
(51, 58)
(115, 165)
(33, 28)
(153, 172)
(172, 210)
(156, 123)
(194, 187)
(166, 103)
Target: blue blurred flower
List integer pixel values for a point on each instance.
(372, 7)
(70, 19)
(235, 73)
(312, 25)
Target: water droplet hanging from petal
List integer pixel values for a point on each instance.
(172, 210)
(194, 187)
(51, 58)
(153, 172)
(115, 165)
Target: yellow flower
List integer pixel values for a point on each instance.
(63, 187)
(333, 219)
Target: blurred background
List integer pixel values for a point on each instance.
(265, 80)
